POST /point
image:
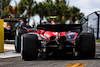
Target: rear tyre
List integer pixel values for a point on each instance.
(29, 48)
(19, 32)
(87, 45)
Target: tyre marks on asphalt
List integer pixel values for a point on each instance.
(76, 65)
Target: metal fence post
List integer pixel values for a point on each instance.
(97, 25)
(98, 28)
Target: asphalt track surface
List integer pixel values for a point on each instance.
(72, 62)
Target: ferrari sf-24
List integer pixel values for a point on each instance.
(55, 40)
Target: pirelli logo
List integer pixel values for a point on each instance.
(76, 65)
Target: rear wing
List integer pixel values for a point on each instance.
(60, 27)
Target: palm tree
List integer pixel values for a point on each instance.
(63, 1)
(26, 5)
(5, 14)
(61, 10)
(21, 7)
(60, 1)
(41, 10)
(7, 10)
(57, 1)
(51, 9)
(5, 6)
(29, 4)
(48, 1)
(5, 3)
(75, 14)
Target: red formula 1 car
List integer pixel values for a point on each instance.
(57, 40)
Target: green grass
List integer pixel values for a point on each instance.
(98, 40)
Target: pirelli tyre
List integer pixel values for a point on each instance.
(19, 32)
(29, 47)
(87, 45)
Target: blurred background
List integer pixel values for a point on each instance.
(65, 12)
(38, 11)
